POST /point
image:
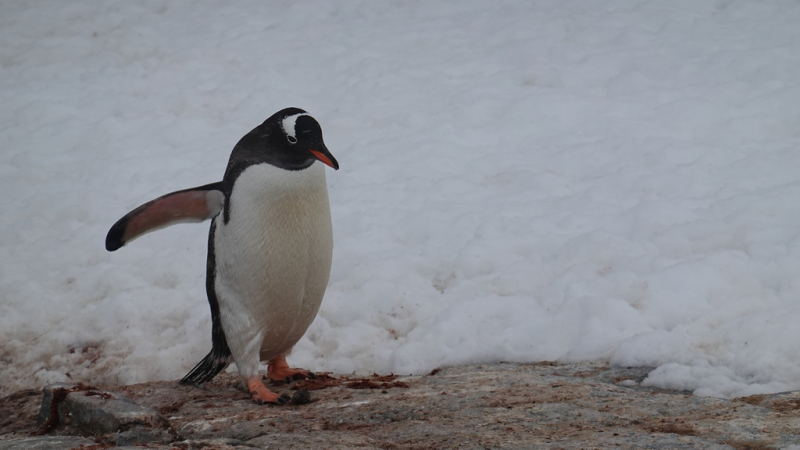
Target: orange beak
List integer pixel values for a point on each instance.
(325, 158)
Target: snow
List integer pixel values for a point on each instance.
(520, 181)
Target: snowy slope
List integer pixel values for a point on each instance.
(533, 180)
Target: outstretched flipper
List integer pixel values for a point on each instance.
(189, 205)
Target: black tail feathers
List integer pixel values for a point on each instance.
(220, 355)
(215, 362)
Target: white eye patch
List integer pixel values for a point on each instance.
(288, 125)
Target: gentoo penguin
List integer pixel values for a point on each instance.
(269, 247)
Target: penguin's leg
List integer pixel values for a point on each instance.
(279, 370)
(246, 355)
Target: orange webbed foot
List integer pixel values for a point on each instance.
(263, 395)
(279, 370)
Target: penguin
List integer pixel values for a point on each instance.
(270, 247)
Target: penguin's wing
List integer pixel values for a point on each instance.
(189, 205)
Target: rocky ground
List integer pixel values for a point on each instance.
(498, 406)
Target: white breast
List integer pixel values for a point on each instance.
(273, 257)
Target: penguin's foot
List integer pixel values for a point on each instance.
(263, 395)
(279, 370)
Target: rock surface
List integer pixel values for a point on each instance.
(45, 443)
(498, 406)
(92, 411)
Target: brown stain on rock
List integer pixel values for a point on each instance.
(325, 381)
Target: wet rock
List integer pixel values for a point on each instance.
(139, 436)
(216, 444)
(93, 412)
(52, 404)
(328, 441)
(45, 443)
(101, 412)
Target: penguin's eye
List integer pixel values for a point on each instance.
(291, 139)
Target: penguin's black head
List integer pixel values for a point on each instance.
(292, 140)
